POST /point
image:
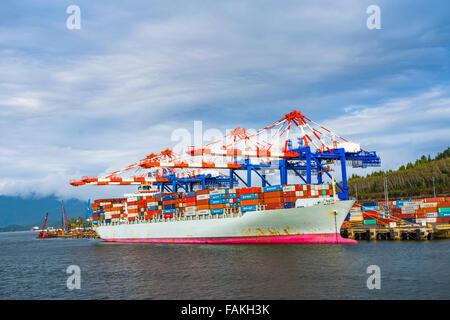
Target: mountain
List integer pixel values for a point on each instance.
(31, 211)
(412, 180)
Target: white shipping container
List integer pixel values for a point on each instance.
(203, 196)
(288, 188)
(152, 204)
(432, 215)
(132, 207)
(203, 212)
(392, 224)
(428, 205)
(299, 193)
(431, 220)
(189, 213)
(217, 191)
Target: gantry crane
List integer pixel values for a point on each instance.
(270, 148)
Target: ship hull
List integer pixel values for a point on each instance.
(317, 224)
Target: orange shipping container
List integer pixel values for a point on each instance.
(218, 206)
(250, 202)
(203, 207)
(203, 202)
(273, 194)
(273, 200)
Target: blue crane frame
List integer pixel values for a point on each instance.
(305, 166)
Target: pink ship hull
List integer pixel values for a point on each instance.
(304, 238)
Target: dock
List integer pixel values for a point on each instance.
(401, 232)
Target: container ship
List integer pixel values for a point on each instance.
(213, 209)
(274, 214)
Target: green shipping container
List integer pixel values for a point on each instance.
(324, 192)
(444, 210)
(371, 221)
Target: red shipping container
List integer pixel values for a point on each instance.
(168, 215)
(370, 214)
(273, 206)
(190, 199)
(168, 202)
(250, 190)
(131, 218)
(443, 204)
(289, 194)
(443, 220)
(405, 215)
(289, 199)
(199, 192)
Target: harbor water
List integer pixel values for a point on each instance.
(33, 268)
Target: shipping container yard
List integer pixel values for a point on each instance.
(419, 219)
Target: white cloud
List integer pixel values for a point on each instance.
(89, 102)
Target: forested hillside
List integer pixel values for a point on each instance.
(413, 180)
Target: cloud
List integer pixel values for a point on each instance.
(89, 101)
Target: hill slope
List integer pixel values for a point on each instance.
(412, 180)
(19, 211)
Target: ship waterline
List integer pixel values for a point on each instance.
(314, 224)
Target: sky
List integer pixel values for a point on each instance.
(84, 102)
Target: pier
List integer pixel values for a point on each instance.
(402, 232)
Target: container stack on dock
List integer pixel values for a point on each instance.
(206, 202)
(421, 211)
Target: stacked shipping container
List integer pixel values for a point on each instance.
(207, 202)
(428, 211)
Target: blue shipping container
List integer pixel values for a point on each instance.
(169, 198)
(218, 201)
(249, 196)
(216, 211)
(273, 188)
(169, 211)
(217, 196)
(169, 206)
(248, 208)
(152, 208)
(369, 204)
(370, 208)
(288, 205)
